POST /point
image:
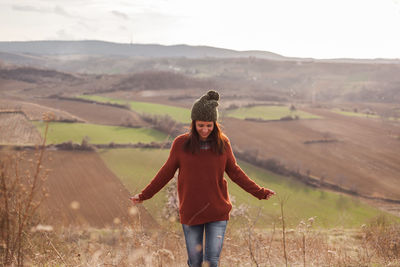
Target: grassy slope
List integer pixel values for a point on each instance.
(330, 209)
(267, 113)
(98, 134)
(136, 167)
(179, 114)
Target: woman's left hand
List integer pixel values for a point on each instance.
(270, 194)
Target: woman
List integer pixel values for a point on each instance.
(202, 156)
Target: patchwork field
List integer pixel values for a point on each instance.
(136, 167)
(82, 190)
(371, 146)
(365, 157)
(179, 114)
(60, 132)
(362, 148)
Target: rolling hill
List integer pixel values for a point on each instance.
(101, 48)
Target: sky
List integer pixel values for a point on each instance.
(295, 28)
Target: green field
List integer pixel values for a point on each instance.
(181, 115)
(267, 113)
(136, 167)
(60, 132)
(102, 99)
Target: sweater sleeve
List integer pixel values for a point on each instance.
(237, 175)
(164, 175)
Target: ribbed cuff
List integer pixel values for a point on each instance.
(142, 197)
(267, 193)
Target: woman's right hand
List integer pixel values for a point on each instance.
(135, 199)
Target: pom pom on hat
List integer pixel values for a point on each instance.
(205, 108)
(212, 95)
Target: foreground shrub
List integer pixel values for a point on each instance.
(21, 193)
(384, 239)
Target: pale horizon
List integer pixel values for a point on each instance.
(307, 29)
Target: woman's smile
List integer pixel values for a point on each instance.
(204, 128)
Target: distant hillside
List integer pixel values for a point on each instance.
(156, 80)
(22, 59)
(260, 79)
(263, 76)
(34, 75)
(100, 48)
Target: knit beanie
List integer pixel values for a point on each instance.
(205, 108)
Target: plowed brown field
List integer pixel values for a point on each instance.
(83, 178)
(92, 113)
(366, 157)
(83, 191)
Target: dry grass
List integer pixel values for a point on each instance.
(16, 129)
(133, 246)
(118, 246)
(306, 246)
(384, 239)
(21, 193)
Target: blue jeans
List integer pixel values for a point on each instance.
(214, 232)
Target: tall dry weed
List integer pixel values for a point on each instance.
(134, 246)
(21, 193)
(383, 238)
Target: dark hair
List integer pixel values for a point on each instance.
(192, 144)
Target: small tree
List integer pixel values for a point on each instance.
(292, 108)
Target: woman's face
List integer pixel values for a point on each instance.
(204, 128)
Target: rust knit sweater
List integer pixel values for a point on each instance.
(202, 188)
